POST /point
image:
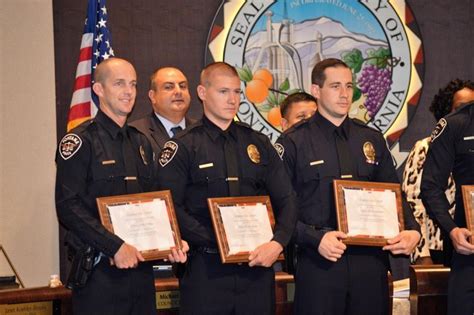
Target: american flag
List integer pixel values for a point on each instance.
(95, 47)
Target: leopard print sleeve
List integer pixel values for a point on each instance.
(411, 187)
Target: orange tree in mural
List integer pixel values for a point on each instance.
(258, 90)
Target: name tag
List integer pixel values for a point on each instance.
(207, 165)
(468, 138)
(108, 162)
(316, 162)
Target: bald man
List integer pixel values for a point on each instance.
(105, 157)
(170, 99)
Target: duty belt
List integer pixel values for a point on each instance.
(204, 250)
(320, 228)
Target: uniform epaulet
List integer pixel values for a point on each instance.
(240, 123)
(363, 124)
(463, 108)
(296, 126)
(83, 126)
(189, 128)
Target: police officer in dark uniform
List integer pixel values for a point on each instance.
(105, 157)
(332, 278)
(452, 150)
(218, 157)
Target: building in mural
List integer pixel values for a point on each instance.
(275, 44)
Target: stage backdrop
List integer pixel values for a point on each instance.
(153, 34)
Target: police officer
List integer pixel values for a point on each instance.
(296, 107)
(170, 99)
(218, 157)
(105, 157)
(452, 150)
(332, 278)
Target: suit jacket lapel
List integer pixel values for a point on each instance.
(158, 132)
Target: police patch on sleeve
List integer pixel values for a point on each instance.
(69, 145)
(167, 154)
(280, 149)
(442, 123)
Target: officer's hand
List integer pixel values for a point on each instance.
(460, 238)
(179, 255)
(331, 246)
(127, 257)
(265, 255)
(403, 243)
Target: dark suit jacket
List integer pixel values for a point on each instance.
(154, 130)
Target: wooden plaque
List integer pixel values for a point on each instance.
(468, 198)
(368, 206)
(239, 224)
(146, 221)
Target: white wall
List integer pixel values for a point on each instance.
(28, 225)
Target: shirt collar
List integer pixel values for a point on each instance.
(168, 124)
(109, 125)
(328, 127)
(214, 131)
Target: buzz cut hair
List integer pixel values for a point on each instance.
(216, 68)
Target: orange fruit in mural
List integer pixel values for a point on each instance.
(274, 116)
(256, 91)
(264, 75)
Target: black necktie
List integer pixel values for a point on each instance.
(230, 153)
(343, 154)
(175, 130)
(129, 161)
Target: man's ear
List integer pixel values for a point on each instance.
(98, 89)
(201, 91)
(151, 96)
(284, 124)
(315, 91)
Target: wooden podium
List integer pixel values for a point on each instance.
(57, 301)
(428, 289)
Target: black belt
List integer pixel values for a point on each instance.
(204, 250)
(319, 228)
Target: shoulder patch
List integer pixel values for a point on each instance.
(280, 149)
(69, 145)
(442, 123)
(167, 154)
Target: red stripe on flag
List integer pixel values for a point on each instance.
(83, 81)
(85, 54)
(79, 111)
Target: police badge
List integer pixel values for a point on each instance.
(167, 154)
(369, 152)
(253, 153)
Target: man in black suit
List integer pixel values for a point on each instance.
(170, 99)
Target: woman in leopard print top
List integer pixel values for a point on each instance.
(429, 249)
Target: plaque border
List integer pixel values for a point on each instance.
(153, 254)
(467, 190)
(218, 224)
(364, 240)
